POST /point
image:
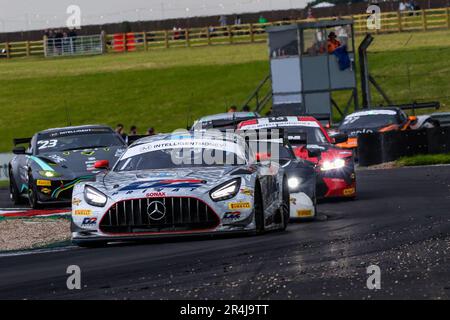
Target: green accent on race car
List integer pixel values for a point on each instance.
(42, 164)
(57, 191)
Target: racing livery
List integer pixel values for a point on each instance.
(56, 159)
(335, 166)
(223, 121)
(167, 185)
(379, 120)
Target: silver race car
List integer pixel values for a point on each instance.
(181, 184)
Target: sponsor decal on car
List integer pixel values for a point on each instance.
(89, 221)
(155, 195)
(76, 201)
(84, 213)
(293, 200)
(46, 190)
(232, 215)
(43, 183)
(304, 213)
(239, 205)
(349, 191)
(247, 192)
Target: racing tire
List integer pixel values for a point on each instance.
(14, 193)
(32, 194)
(259, 211)
(286, 207)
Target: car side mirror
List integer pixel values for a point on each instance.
(101, 164)
(340, 138)
(19, 150)
(313, 153)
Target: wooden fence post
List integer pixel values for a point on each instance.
(104, 42)
(448, 18)
(125, 45)
(7, 49)
(252, 33)
(186, 36)
(400, 24)
(166, 38)
(28, 49)
(424, 20)
(208, 36)
(144, 36)
(230, 34)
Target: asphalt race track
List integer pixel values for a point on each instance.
(400, 222)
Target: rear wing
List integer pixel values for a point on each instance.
(415, 105)
(18, 141)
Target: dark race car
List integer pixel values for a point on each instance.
(223, 121)
(56, 159)
(379, 120)
(335, 166)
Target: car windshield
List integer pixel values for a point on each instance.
(170, 154)
(369, 120)
(313, 134)
(59, 143)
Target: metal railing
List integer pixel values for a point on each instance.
(74, 46)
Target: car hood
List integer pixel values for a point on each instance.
(78, 162)
(167, 179)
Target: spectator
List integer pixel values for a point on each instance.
(151, 131)
(120, 130)
(133, 131)
(332, 42)
(310, 14)
(246, 109)
(223, 21)
(402, 6)
(237, 21)
(262, 19)
(232, 109)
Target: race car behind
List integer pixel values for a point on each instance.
(56, 159)
(379, 120)
(223, 121)
(336, 175)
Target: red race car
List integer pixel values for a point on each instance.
(310, 141)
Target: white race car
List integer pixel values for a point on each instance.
(166, 185)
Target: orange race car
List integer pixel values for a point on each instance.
(379, 120)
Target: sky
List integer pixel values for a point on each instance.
(22, 15)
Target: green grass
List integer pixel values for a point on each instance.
(158, 88)
(422, 160)
(4, 184)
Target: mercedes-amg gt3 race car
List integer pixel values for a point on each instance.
(223, 121)
(379, 120)
(56, 159)
(180, 184)
(335, 166)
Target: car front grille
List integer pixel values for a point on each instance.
(139, 216)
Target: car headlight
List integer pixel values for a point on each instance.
(293, 183)
(94, 197)
(226, 191)
(49, 174)
(333, 165)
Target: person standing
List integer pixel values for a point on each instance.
(223, 21)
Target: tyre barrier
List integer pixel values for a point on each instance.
(376, 148)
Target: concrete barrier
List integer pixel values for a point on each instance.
(376, 148)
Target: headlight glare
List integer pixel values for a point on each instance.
(49, 174)
(94, 197)
(293, 183)
(333, 165)
(226, 191)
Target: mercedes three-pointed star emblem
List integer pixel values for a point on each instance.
(156, 210)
